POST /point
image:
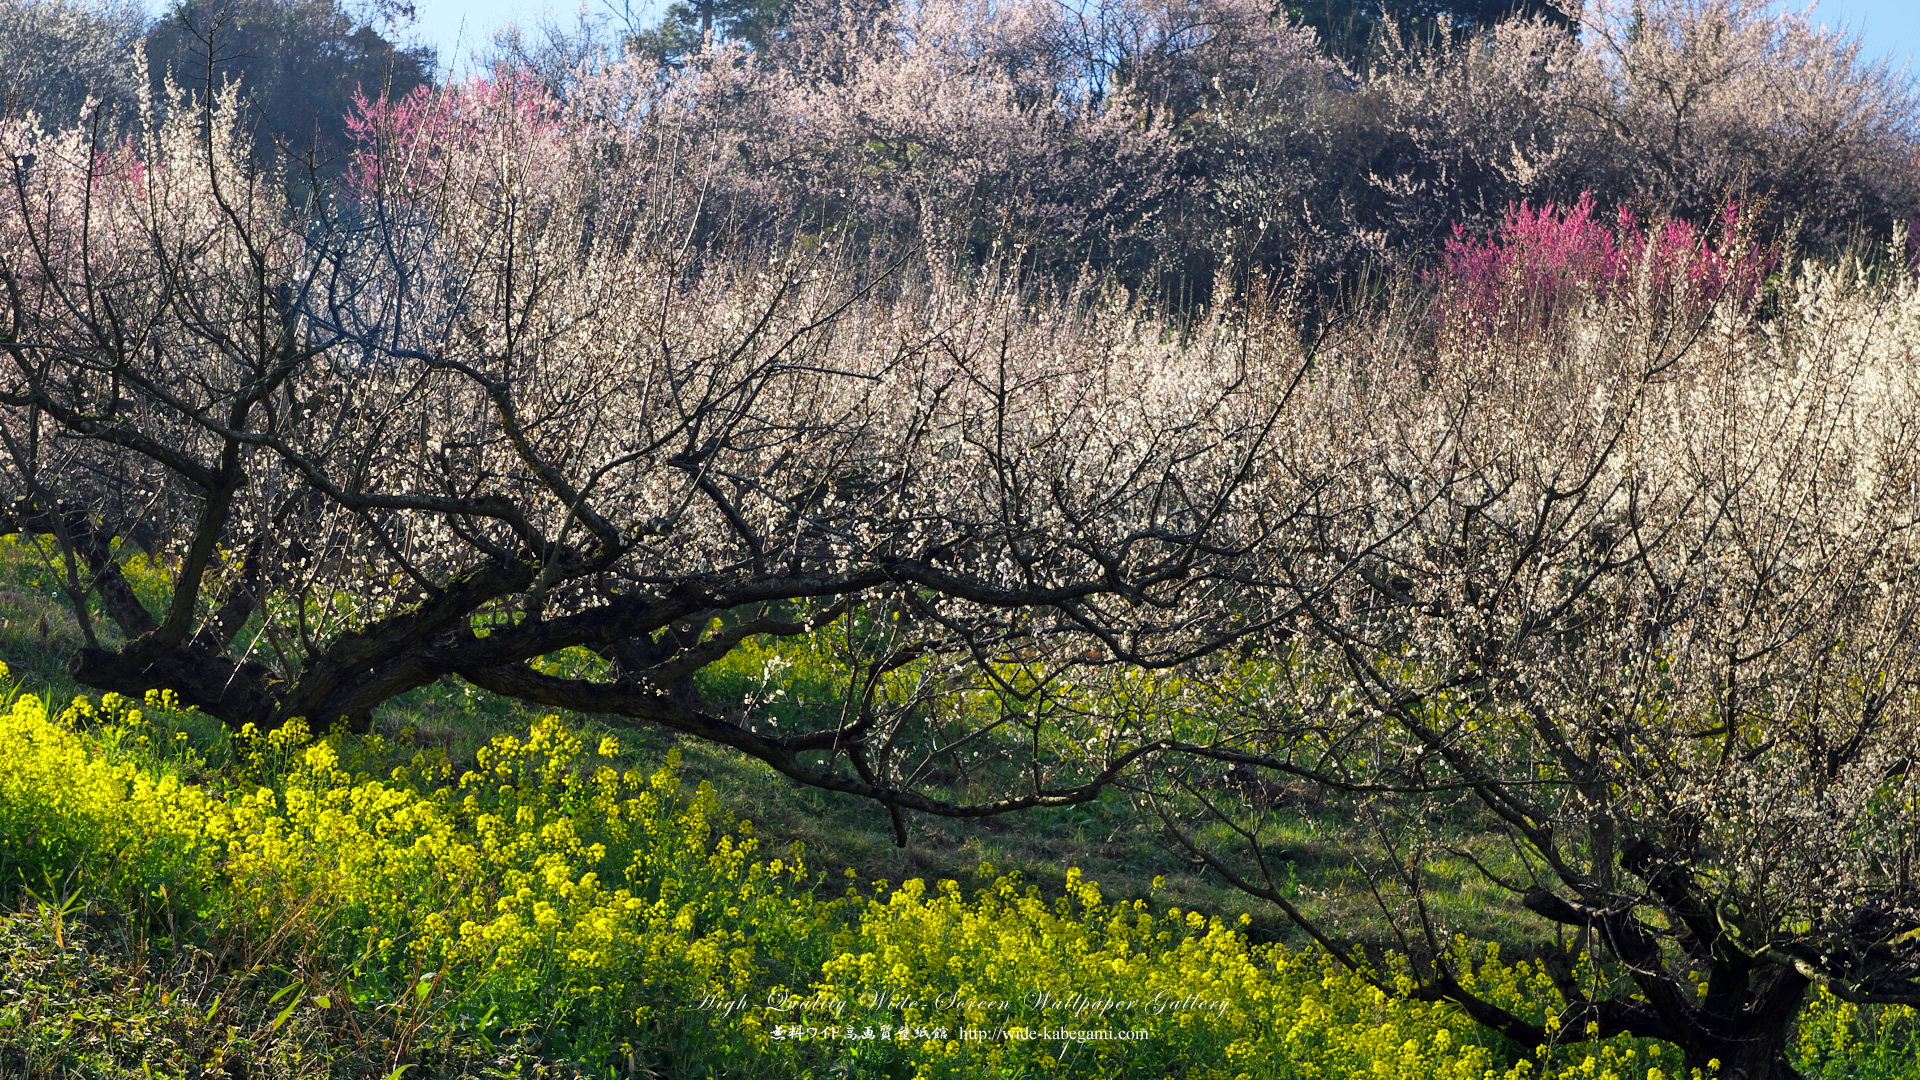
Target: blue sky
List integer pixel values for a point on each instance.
(457, 27)
(1889, 28)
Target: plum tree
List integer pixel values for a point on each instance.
(499, 408)
(1629, 637)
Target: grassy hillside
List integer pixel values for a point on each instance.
(475, 891)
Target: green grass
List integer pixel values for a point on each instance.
(1106, 838)
(92, 1000)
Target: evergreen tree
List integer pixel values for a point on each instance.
(687, 24)
(1348, 26)
(299, 63)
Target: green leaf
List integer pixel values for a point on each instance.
(284, 1013)
(323, 1001)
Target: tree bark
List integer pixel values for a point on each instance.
(1752, 1043)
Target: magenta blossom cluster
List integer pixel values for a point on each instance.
(400, 144)
(1542, 262)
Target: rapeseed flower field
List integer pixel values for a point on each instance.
(628, 926)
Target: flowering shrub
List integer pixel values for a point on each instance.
(545, 890)
(1542, 260)
(405, 146)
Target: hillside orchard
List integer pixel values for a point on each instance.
(1578, 551)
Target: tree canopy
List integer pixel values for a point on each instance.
(300, 64)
